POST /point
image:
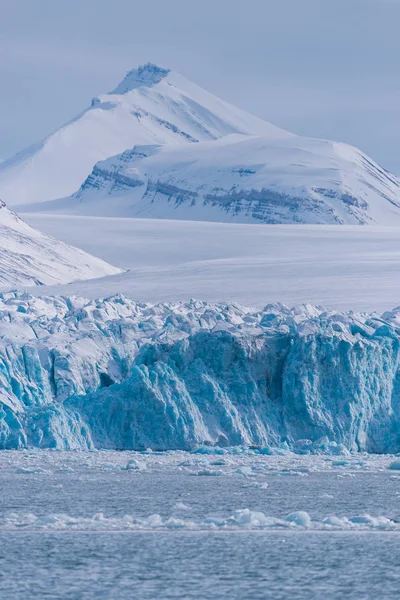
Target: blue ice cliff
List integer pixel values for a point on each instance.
(112, 373)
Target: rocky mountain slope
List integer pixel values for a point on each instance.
(241, 179)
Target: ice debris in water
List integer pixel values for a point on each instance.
(134, 465)
(257, 485)
(181, 506)
(395, 465)
(209, 473)
(246, 471)
(241, 519)
(299, 518)
(117, 374)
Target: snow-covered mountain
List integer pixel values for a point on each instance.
(150, 106)
(160, 146)
(241, 179)
(29, 257)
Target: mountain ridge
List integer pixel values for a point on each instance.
(169, 111)
(242, 179)
(159, 146)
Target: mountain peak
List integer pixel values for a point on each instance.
(144, 76)
(151, 106)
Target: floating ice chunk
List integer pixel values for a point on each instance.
(250, 518)
(209, 473)
(32, 471)
(303, 446)
(394, 466)
(98, 516)
(379, 522)
(155, 521)
(246, 471)
(173, 523)
(340, 523)
(182, 506)
(210, 450)
(299, 518)
(257, 485)
(194, 462)
(134, 465)
(291, 473)
(111, 467)
(219, 462)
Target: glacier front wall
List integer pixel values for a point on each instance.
(80, 374)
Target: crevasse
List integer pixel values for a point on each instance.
(113, 373)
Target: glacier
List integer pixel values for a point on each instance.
(117, 374)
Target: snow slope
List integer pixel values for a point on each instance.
(150, 106)
(160, 146)
(347, 267)
(79, 374)
(28, 257)
(241, 179)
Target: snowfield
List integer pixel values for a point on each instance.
(115, 374)
(343, 268)
(28, 257)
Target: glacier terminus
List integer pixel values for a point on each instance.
(115, 374)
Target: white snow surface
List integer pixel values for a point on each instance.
(241, 179)
(159, 146)
(150, 106)
(344, 268)
(29, 257)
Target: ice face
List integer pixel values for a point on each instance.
(112, 373)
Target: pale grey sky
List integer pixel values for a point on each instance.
(325, 68)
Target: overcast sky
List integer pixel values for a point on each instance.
(324, 68)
